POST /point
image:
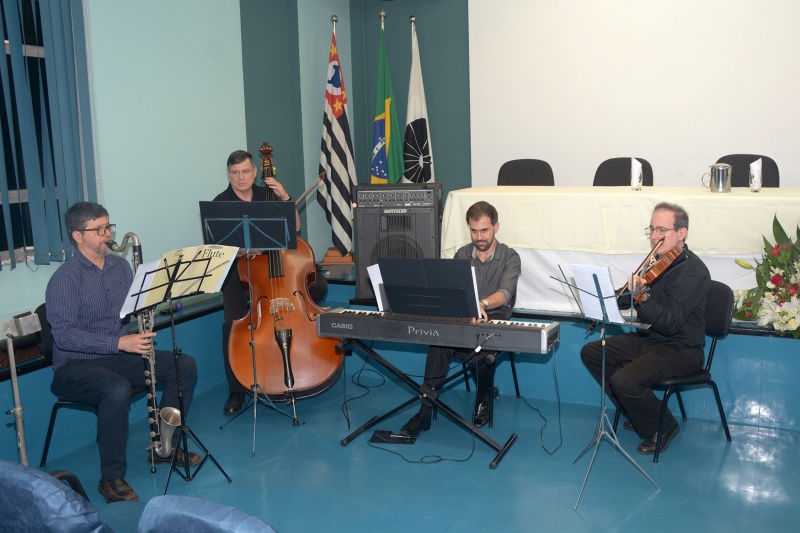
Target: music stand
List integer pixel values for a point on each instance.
(595, 282)
(155, 282)
(253, 226)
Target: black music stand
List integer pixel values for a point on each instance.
(155, 283)
(595, 283)
(430, 287)
(253, 226)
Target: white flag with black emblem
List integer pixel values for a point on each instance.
(417, 150)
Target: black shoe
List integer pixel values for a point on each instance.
(648, 446)
(193, 458)
(117, 490)
(481, 415)
(416, 425)
(234, 403)
(628, 425)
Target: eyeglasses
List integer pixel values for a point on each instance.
(246, 172)
(658, 231)
(101, 229)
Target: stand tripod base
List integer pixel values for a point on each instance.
(604, 430)
(187, 473)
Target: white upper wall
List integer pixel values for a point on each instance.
(679, 83)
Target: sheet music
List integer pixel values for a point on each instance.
(376, 279)
(584, 279)
(475, 291)
(200, 269)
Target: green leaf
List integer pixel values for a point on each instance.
(777, 230)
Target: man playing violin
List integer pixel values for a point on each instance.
(674, 307)
(497, 269)
(242, 174)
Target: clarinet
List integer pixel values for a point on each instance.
(163, 422)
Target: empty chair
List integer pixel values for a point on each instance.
(526, 172)
(617, 172)
(719, 312)
(740, 171)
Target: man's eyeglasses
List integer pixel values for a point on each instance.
(101, 229)
(660, 230)
(246, 172)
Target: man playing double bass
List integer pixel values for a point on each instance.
(672, 346)
(242, 173)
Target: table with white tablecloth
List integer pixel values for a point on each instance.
(554, 227)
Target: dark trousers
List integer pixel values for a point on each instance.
(633, 365)
(107, 383)
(234, 307)
(437, 365)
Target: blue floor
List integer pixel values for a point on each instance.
(301, 479)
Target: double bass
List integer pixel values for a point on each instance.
(291, 361)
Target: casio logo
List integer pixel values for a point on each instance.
(342, 325)
(395, 211)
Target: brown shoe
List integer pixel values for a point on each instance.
(627, 425)
(194, 458)
(117, 490)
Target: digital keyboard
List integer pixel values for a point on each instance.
(497, 335)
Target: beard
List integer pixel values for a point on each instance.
(483, 245)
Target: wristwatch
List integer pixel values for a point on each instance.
(485, 303)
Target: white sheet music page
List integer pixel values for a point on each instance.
(587, 290)
(375, 277)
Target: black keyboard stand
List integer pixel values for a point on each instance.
(421, 393)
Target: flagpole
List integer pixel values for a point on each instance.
(334, 20)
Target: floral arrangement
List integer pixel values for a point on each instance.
(775, 300)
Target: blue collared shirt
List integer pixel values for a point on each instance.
(83, 305)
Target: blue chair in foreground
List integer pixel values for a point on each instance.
(186, 514)
(35, 501)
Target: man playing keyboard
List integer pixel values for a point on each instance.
(497, 268)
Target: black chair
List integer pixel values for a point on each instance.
(740, 173)
(45, 341)
(526, 172)
(719, 312)
(617, 172)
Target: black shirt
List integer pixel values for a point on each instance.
(676, 305)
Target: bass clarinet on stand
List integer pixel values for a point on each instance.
(163, 422)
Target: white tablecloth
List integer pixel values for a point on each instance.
(552, 226)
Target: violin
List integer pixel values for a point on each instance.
(655, 270)
(649, 270)
(291, 360)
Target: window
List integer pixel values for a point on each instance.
(47, 160)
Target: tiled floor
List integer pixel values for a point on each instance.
(301, 479)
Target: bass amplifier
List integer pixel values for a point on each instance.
(399, 220)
